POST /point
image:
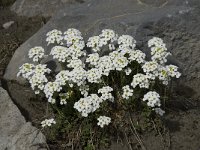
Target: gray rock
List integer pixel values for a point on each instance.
(138, 18)
(16, 133)
(44, 8)
(8, 24)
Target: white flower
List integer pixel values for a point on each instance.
(50, 88)
(84, 89)
(159, 111)
(159, 54)
(128, 71)
(151, 69)
(158, 50)
(173, 71)
(106, 93)
(155, 41)
(74, 40)
(75, 63)
(127, 92)
(105, 89)
(48, 122)
(141, 80)
(126, 41)
(38, 81)
(93, 59)
(51, 100)
(120, 62)
(105, 64)
(111, 46)
(36, 53)
(150, 66)
(26, 70)
(152, 98)
(60, 52)
(94, 75)
(41, 69)
(94, 43)
(78, 76)
(103, 120)
(54, 36)
(108, 35)
(88, 104)
(62, 77)
(137, 55)
(63, 98)
(35, 75)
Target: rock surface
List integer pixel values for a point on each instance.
(125, 17)
(16, 133)
(44, 8)
(176, 21)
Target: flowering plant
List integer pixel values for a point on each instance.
(101, 76)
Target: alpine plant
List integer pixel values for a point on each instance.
(104, 69)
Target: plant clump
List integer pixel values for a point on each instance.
(101, 79)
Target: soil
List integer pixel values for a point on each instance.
(182, 120)
(16, 34)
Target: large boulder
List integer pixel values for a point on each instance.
(171, 20)
(16, 133)
(45, 8)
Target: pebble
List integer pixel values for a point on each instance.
(8, 24)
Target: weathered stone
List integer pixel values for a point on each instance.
(16, 133)
(7, 24)
(44, 8)
(125, 17)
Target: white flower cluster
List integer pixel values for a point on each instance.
(105, 64)
(90, 63)
(103, 120)
(107, 36)
(127, 92)
(120, 62)
(173, 71)
(39, 79)
(75, 43)
(48, 122)
(94, 75)
(153, 100)
(62, 77)
(93, 59)
(106, 93)
(60, 52)
(158, 50)
(54, 36)
(156, 68)
(138, 56)
(36, 53)
(49, 90)
(71, 44)
(64, 97)
(141, 80)
(26, 70)
(91, 103)
(126, 41)
(151, 69)
(88, 104)
(35, 75)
